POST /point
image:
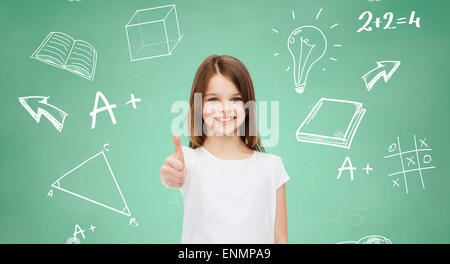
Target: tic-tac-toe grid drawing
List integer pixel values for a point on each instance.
(412, 161)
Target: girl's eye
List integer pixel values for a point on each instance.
(236, 99)
(213, 99)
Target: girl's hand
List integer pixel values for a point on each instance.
(173, 170)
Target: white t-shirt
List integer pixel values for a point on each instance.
(230, 201)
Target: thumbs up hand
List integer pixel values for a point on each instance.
(173, 171)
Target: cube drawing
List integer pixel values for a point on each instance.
(153, 32)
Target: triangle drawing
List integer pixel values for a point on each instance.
(93, 180)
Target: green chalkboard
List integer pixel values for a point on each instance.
(363, 133)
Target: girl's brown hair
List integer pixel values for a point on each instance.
(236, 72)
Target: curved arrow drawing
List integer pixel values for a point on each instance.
(381, 70)
(55, 115)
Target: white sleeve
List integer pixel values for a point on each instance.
(281, 176)
(188, 159)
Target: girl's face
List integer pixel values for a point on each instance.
(223, 108)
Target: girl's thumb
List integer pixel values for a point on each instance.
(178, 152)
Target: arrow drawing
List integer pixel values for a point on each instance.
(55, 115)
(384, 69)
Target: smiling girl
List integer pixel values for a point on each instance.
(233, 191)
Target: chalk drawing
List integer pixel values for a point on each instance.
(133, 101)
(306, 45)
(367, 168)
(62, 51)
(349, 168)
(372, 239)
(78, 230)
(384, 69)
(73, 240)
(416, 160)
(38, 106)
(327, 118)
(107, 107)
(388, 17)
(358, 215)
(133, 222)
(153, 32)
(105, 147)
(59, 184)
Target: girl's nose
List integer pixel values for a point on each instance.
(227, 107)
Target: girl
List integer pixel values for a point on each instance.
(233, 191)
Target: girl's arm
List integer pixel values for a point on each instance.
(281, 234)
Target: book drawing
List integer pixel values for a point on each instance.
(62, 51)
(331, 122)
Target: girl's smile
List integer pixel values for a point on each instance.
(225, 120)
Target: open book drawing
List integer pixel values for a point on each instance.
(331, 122)
(62, 51)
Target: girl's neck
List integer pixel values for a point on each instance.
(227, 147)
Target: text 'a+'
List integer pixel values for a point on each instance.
(108, 107)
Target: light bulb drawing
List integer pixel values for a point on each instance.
(307, 45)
